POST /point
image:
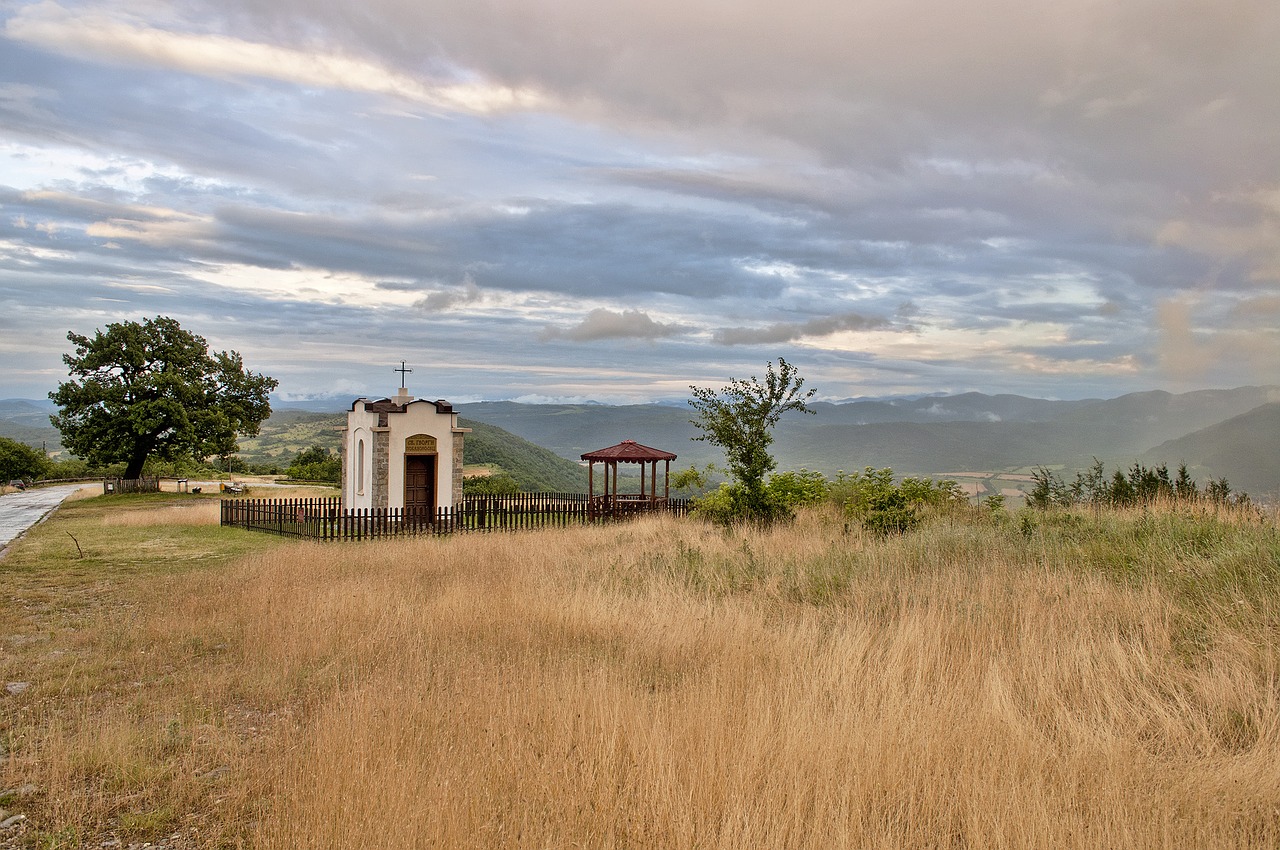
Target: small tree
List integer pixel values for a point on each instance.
(1184, 487)
(18, 461)
(153, 389)
(1048, 490)
(739, 418)
(316, 464)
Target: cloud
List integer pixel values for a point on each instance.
(53, 27)
(602, 324)
(791, 331)
(1242, 227)
(447, 299)
(1039, 183)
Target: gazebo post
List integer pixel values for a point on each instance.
(591, 489)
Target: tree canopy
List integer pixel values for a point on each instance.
(152, 389)
(20, 461)
(739, 418)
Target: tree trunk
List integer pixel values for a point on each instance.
(133, 469)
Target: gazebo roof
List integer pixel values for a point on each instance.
(629, 451)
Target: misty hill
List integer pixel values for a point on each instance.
(966, 407)
(27, 412)
(1133, 423)
(27, 421)
(1245, 450)
(933, 435)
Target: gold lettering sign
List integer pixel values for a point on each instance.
(420, 444)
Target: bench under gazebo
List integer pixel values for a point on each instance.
(613, 503)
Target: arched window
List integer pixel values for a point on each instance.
(360, 467)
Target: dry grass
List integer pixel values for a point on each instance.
(197, 513)
(1074, 683)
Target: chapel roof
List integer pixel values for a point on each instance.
(386, 405)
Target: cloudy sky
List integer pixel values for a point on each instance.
(571, 199)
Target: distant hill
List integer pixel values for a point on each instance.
(27, 421)
(922, 436)
(1245, 450)
(28, 412)
(917, 436)
(1131, 424)
(536, 469)
(570, 430)
(289, 431)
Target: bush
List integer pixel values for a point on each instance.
(500, 484)
(872, 498)
(316, 464)
(783, 493)
(797, 489)
(695, 482)
(734, 503)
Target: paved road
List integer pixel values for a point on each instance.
(20, 511)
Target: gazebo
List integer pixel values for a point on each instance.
(612, 503)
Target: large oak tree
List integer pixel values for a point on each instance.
(152, 389)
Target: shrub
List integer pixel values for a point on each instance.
(733, 502)
(872, 498)
(316, 464)
(797, 489)
(501, 484)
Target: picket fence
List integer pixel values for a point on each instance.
(325, 518)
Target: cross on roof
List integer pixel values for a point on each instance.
(402, 372)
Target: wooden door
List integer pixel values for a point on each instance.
(420, 487)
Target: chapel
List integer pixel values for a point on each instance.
(402, 453)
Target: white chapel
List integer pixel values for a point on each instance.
(402, 453)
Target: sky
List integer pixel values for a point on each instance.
(571, 200)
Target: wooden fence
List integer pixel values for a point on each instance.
(145, 484)
(325, 518)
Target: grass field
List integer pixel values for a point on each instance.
(1069, 680)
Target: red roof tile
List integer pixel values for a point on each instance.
(629, 451)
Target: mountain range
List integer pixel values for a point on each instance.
(1231, 433)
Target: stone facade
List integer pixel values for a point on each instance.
(380, 435)
(457, 462)
(381, 467)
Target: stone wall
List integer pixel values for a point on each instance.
(457, 468)
(381, 468)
